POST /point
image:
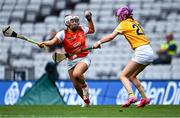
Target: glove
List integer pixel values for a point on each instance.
(88, 15)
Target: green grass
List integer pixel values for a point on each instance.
(92, 111)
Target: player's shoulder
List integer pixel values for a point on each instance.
(124, 23)
(61, 31)
(80, 27)
(83, 28)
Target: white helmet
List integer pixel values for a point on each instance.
(68, 18)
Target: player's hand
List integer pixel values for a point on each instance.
(97, 45)
(88, 15)
(41, 45)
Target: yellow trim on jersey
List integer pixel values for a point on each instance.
(132, 32)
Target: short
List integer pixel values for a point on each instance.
(143, 55)
(72, 63)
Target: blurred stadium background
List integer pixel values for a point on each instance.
(20, 60)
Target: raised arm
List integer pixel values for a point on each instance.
(88, 16)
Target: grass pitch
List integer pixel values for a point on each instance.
(91, 111)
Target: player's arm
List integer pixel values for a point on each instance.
(51, 42)
(106, 38)
(88, 16)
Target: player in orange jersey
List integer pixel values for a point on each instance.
(73, 40)
(143, 53)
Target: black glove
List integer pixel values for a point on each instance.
(88, 15)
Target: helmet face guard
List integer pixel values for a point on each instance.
(123, 13)
(70, 19)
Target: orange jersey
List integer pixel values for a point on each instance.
(74, 41)
(132, 32)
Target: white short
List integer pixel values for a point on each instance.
(143, 55)
(72, 63)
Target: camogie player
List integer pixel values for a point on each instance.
(143, 53)
(73, 40)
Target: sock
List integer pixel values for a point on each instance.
(142, 94)
(131, 94)
(141, 91)
(85, 89)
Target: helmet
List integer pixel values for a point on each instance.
(123, 12)
(68, 18)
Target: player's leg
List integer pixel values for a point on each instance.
(78, 72)
(144, 101)
(142, 57)
(127, 72)
(136, 82)
(75, 83)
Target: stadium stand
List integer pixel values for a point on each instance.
(35, 18)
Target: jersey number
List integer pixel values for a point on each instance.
(139, 30)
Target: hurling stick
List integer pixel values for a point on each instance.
(8, 32)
